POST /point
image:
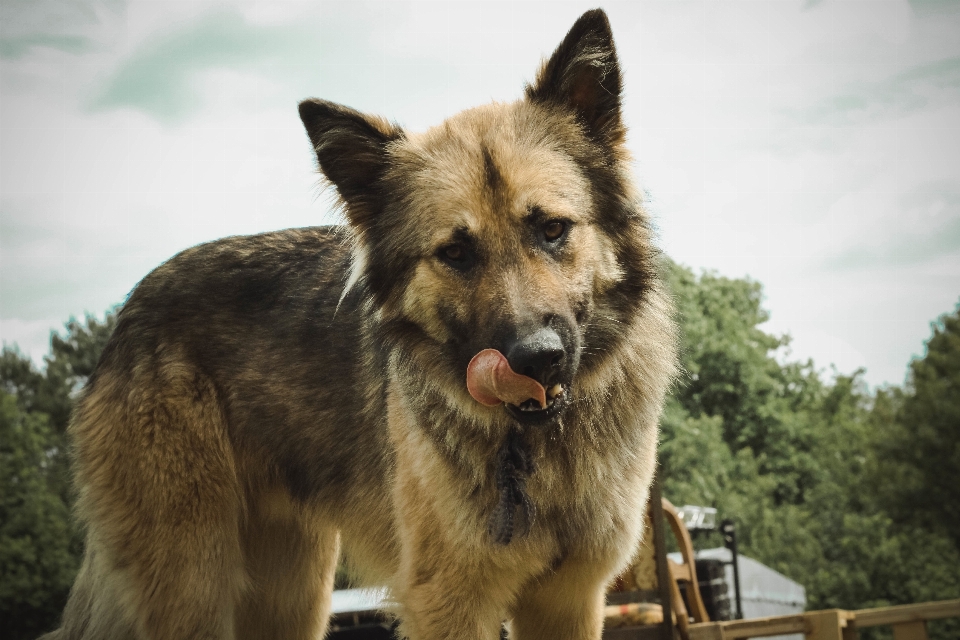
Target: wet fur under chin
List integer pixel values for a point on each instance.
(252, 418)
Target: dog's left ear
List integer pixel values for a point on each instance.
(583, 74)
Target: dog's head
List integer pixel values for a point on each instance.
(511, 227)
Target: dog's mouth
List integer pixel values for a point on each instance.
(530, 411)
(491, 382)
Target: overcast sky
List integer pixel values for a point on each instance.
(813, 146)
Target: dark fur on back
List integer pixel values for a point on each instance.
(239, 311)
(270, 404)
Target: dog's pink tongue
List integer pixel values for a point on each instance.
(490, 381)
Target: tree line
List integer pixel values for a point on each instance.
(852, 493)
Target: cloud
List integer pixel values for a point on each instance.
(157, 77)
(912, 90)
(163, 76)
(929, 227)
(18, 46)
(71, 26)
(408, 60)
(926, 7)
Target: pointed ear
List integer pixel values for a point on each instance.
(352, 151)
(583, 74)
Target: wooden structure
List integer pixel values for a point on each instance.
(661, 613)
(685, 573)
(655, 609)
(909, 622)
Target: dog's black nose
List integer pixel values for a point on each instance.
(538, 355)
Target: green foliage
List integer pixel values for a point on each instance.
(40, 547)
(919, 451)
(732, 374)
(852, 494)
(20, 378)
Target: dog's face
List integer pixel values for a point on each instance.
(505, 248)
(508, 227)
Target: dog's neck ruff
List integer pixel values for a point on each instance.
(514, 514)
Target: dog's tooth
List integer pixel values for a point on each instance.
(555, 391)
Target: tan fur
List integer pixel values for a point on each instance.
(270, 405)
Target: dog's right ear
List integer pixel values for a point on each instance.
(351, 148)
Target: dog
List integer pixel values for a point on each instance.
(456, 392)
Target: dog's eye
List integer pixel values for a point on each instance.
(456, 255)
(554, 230)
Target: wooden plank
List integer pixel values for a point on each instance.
(705, 631)
(679, 608)
(826, 625)
(634, 633)
(850, 631)
(816, 625)
(913, 630)
(681, 571)
(907, 613)
(833, 624)
(663, 571)
(694, 600)
(759, 627)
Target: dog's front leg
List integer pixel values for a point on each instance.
(449, 605)
(565, 604)
(445, 590)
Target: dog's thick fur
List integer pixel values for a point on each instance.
(267, 403)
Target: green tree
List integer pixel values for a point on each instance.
(737, 434)
(821, 476)
(920, 449)
(40, 547)
(19, 377)
(732, 373)
(39, 555)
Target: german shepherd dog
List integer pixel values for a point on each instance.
(457, 391)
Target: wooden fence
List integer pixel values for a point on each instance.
(909, 622)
